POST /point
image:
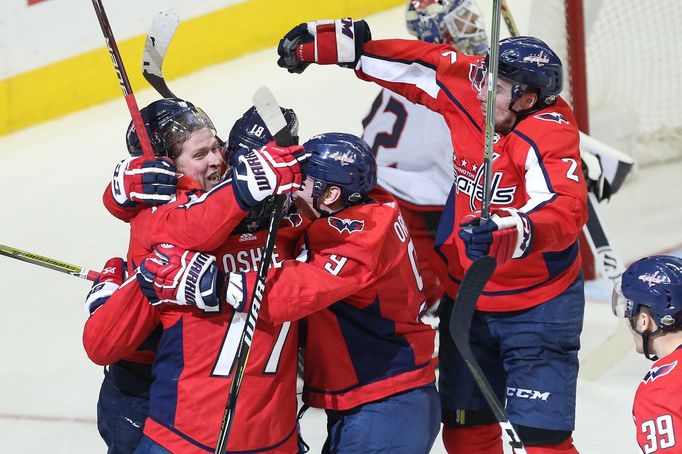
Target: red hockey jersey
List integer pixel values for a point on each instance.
(197, 352)
(536, 169)
(657, 410)
(361, 292)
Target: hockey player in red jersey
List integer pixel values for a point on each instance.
(181, 135)
(368, 357)
(412, 143)
(649, 296)
(538, 205)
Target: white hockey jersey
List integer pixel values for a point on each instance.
(413, 149)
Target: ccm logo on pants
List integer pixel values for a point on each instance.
(527, 393)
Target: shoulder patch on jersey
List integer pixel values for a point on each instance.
(351, 225)
(659, 371)
(552, 116)
(294, 219)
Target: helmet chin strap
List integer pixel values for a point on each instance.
(646, 340)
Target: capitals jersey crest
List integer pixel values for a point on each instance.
(552, 116)
(659, 371)
(350, 225)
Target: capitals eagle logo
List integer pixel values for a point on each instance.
(351, 225)
(659, 371)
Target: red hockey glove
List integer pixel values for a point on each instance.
(151, 181)
(326, 42)
(173, 275)
(508, 234)
(110, 279)
(267, 171)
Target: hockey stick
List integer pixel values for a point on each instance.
(155, 47)
(460, 324)
(123, 79)
(269, 110)
(482, 269)
(46, 262)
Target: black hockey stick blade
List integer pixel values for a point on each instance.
(470, 290)
(269, 110)
(155, 47)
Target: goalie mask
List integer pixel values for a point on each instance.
(169, 122)
(455, 22)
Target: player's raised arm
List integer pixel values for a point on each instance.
(410, 68)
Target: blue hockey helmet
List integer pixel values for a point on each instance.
(455, 22)
(247, 133)
(530, 63)
(343, 160)
(653, 282)
(250, 131)
(169, 123)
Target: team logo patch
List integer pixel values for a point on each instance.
(653, 279)
(295, 219)
(552, 116)
(540, 59)
(351, 225)
(345, 158)
(659, 371)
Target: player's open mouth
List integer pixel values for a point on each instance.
(214, 177)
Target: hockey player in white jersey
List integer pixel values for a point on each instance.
(412, 144)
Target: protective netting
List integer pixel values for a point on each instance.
(633, 58)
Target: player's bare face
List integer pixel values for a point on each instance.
(201, 159)
(504, 117)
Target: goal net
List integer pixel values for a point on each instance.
(632, 70)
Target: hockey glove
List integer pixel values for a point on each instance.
(173, 275)
(151, 181)
(508, 234)
(594, 176)
(110, 279)
(326, 42)
(267, 171)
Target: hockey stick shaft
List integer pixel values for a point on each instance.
(491, 93)
(47, 262)
(269, 110)
(481, 270)
(123, 79)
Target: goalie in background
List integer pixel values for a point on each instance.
(649, 296)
